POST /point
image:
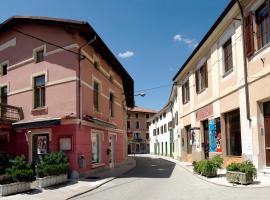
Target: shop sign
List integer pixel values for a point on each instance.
(205, 112)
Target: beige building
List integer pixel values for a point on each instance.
(224, 96)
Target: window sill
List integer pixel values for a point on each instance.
(45, 108)
(227, 73)
(97, 165)
(201, 91)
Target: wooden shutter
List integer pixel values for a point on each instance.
(188, 95)
(183, 95)
(206, 74)
(249, 35)
(197, 80)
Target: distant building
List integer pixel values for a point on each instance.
(137, 126)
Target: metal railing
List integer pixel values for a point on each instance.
(10, 114)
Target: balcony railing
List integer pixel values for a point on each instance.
(10, 114)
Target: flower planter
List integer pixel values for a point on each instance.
(51, 180)
(13, 188)
(210, 174)
(239, 177)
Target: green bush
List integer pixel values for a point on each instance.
(20, 171)
(54, 163)
(245, 167)
(208, 168)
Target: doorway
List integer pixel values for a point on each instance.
(112, 151)
(206, 138)
(266, 111)
(40, 147)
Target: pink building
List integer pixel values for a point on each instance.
(73, 92)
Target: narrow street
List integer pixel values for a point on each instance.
(159, 179)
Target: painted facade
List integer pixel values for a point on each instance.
(215, 98)
(164, 129)
(137, 129)
(85, 100)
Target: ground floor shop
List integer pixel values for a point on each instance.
(87, 146)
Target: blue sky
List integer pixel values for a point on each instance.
(151, 38)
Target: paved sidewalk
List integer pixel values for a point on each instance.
(261, 181)
(72, 189)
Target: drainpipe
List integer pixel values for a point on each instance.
(245, 63)
(80, 58)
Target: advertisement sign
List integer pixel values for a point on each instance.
(130, 136)
(42, 144)
(215, 135)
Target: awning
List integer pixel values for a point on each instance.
(36, 124)
(99, 122)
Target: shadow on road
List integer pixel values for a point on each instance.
(151, 168)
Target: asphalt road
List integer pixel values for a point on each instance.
(158, 179)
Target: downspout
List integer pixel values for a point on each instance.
(80, 58)
(245, 63)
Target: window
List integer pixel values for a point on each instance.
(137, 115)
(165, 128)
(111, 107)
(263, 27)
(233, 133)
(176, 118)
(39, 55)
(137, 136)
(39, 91)
(161, 129)
(128, 124)
(160, 117)
(154, 132)
(4, 95)
(185, 92)
(227, 56)
(158, 131)
(164, 115)
(96, 96)
(201, 76)
(147, 136)
(137, 125)
(148, 124)
(147, 116)
(4, 69)
(96, 158)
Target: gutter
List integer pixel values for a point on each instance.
(245, 63)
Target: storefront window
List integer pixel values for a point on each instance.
(189, 139)
(233, 133)
(95, 148)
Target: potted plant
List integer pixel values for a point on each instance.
(52, 170)
(243, 173)
(17, 177)
(208, 168)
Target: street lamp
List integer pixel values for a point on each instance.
(142, 94)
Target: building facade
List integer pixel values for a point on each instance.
(164, 129)
(73, 92)
(138, 132)
(223, 91)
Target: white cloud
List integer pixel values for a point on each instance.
(177, 37)
(190, 42)
(126, 54)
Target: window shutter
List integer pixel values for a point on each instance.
(183, 101)
(188, 97)
(206, 74)
(249, 35)
(197, 80)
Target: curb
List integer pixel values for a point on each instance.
(206, 180)
(109, 180)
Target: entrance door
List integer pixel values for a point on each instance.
(112, 150)
(206, 139)
(267, 140)
(40, 146)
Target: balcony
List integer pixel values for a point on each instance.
(10, 114)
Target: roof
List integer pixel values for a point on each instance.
(88, 33)
(141, 109)
(207, 35)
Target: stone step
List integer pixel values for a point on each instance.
(264, 172)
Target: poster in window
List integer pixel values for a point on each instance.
(42, 144)
(65, 144)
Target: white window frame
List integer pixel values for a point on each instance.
(37, 49)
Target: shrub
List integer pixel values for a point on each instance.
(245, 167)
(54, 163)
(208, 168)
(20, 171)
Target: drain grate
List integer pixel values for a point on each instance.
(92, 177)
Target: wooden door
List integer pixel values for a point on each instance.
(267, 140)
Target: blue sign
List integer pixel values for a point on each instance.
(212, 134)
